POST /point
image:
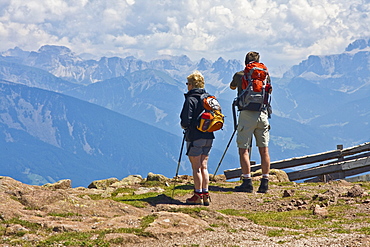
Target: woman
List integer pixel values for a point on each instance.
(198, 143)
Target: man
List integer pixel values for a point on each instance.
(198, 143)
(252, 122)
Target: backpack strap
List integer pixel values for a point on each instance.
(196, 120)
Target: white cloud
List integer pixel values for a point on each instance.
(283, 31)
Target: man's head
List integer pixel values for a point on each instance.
(196, 80)
(252, 56)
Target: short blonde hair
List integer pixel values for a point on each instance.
(196, 79)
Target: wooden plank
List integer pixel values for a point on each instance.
(237, 172)
(309, 159)
(367, 154)
(355, 164)
(356, 149)
(357, 171)
(282, 164)
(329, 169)
(313, 172)
(233, 173)
(341, 174)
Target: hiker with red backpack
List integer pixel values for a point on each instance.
(198, 143)
(253, 102)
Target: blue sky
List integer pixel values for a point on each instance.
(285, 32)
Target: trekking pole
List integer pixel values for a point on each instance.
(231, 138)
(227, 147)
(250, 148)
(178, 164)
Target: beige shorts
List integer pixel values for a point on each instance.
(253, 123)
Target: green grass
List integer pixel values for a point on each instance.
(24, 223)
(152, 184)
(97, 238)
(143, 200)
(126, 195)
(92, 238)
(15, 238)
(192, 211)
(365, 186)
(302, 219)
(73, 239)
(123, 191)
(64, 215)
(364, 230)
(140, 201)
(296, 219)
(281, 233)
(147, 220)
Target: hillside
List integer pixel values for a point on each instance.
(47, 136)
(141, 212)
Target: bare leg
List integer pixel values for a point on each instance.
(265, 159)
(197, 176)
(265, 165)
(200, 171)
(201, 180)
(244, 160)
(245, 164)
(204, 171)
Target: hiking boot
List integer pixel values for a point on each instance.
(206, 199)
(246, 186)
(196, 199)
(264, 186)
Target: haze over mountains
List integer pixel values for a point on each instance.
(65, 117)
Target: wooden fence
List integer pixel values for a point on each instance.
(341, 163)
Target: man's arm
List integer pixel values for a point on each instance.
(236, 83)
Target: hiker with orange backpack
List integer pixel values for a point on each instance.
(198, 143)
(253, 102)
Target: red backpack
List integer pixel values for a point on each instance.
(256, 88)
(256, 74)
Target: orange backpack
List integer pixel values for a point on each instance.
(256, 88)
(211, 119)
(254, 73)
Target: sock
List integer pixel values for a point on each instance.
(265, 176)
(205, 190)
(246, 176)
(198, 191)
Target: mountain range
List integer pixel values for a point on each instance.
(65, 117)
(48, 136)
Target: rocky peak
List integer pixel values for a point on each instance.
(358, 44)
(54, 49)
(204, 64)
(16, 52)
